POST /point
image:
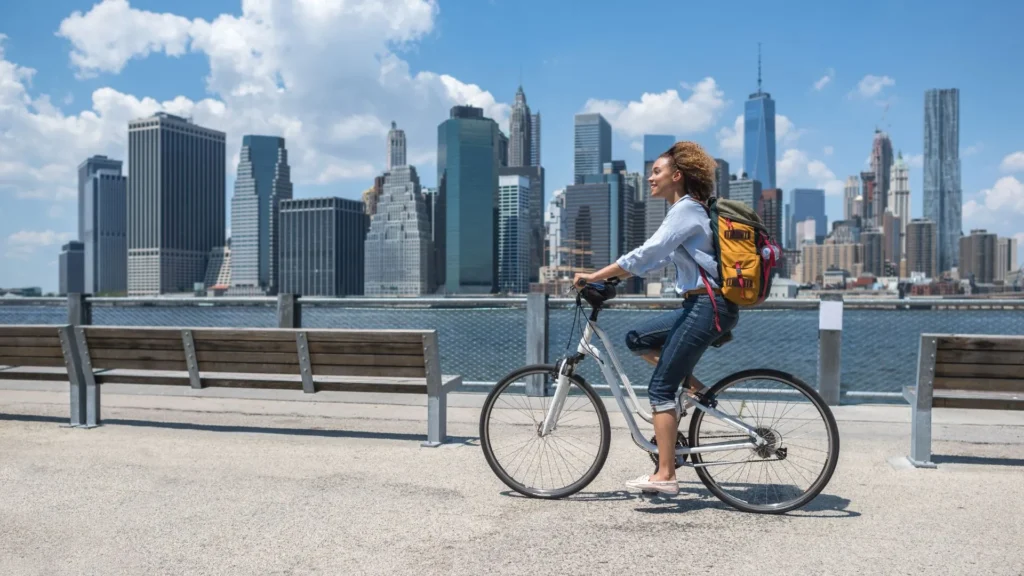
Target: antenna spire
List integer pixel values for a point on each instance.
(758, 67)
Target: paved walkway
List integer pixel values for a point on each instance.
(178, 485)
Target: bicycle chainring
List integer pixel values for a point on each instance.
(681, 442)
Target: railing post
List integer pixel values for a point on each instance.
(79, 310)
(289, 311)
(536, 339)
(830, 343)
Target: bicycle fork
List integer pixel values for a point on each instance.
(555, 410)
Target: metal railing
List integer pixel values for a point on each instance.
(870, 354)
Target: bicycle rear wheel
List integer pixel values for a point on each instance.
(554, 466)
(802, 447)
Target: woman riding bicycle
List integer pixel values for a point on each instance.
(675, 341)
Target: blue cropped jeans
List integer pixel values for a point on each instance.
(682, 335)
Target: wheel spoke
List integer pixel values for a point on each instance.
(767, 478)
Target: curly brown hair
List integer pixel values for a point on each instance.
(697, 167)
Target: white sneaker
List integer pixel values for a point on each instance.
(644, 483)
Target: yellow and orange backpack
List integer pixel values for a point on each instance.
(745, 252)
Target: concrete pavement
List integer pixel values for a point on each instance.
(330, 484)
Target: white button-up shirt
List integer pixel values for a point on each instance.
(683, 239)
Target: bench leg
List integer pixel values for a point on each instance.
(437, 418)
(92, 389)
(921, 437)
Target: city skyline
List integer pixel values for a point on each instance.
(824, 120)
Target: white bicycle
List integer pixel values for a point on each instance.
(760, 440)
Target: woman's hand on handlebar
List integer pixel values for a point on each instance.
(581, 280)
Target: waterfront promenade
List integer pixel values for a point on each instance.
(338, 484)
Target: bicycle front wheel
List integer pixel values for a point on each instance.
(559, 464)
(801, 449)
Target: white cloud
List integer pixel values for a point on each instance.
(1013, 162)
(24, 243)
(871, 85)
(730, 140)
(973, 149)
(796, 169)
(824, 80)
(665, 112)
(915, 160)
(637, 145)
(998, 209)
(829, 150)
(321, 74)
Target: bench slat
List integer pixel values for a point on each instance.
(979, 371)
(30, 331)
(119, 354)
(404, 372)
(209, 346)
(979, 385)
(384, 348)
(368, 336)
(35, 373)
(1009, 344)
(30, 361)
(132, 333)
(979, 400)
(30, 341)
(383, 385)
(32, 352)
(981, 357)
(242, 335)
(285, 358)
(367, 360)
(137, 364)
(96, 343)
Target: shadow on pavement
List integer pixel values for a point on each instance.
(698, 498)
(466, 440)
(982, 460)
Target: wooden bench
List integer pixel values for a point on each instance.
(310, 360)
(962, 371)
(43, 353)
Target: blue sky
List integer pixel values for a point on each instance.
(330, 76)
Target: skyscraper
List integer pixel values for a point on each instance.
(322, 243)
(942, 194)
(86, 170)
(891, 225)
(770, 212)
(759, 134)
(810, 203)
(747, 191)
(922, 248)
(103, 225)
(71, 268)
(588, 226)
(398, 244)
(520, 138)
(513, 234)
(396, 147)
(263, 181)
(1006, 257)
(850, 191)
(978, 254)
(899, 180)
(867, 192)
(654, 208)
(555, 224)
(175, 203)
(535, 214)
(721, 178)
(881, 165)
(535, 139)
(874, 252)
(467, 170)
(592, 144)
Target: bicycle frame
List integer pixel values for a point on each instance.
(614, 377)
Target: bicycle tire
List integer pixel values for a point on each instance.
(499, 471)
(830, 422)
